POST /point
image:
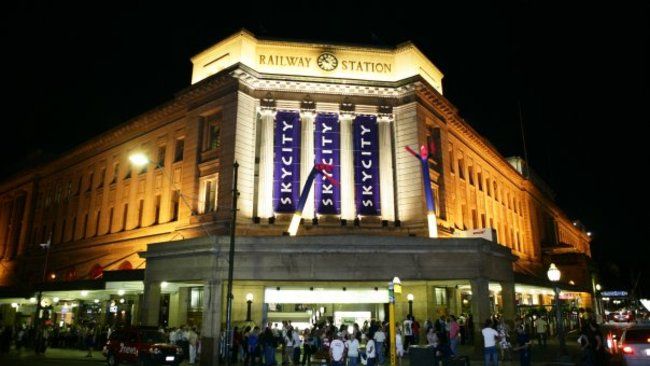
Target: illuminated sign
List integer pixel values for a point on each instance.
(613, 293)
(286, 178)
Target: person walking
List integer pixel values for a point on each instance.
(193, 340)
(490, 338)
(337, 351)
(454, 335)
(371, 352)
(353, 349)
(380, 339)
(523, 346)
(541, 327)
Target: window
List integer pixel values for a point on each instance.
(110, 220)
(489, 187)
(210, 196)
(196, 299)
(441, 296)
(483, 221)
(128, 172)
(102, 176)
(451, 159)
(90, 182)
(157, 209)
(116, 171)
(474, 219)
(140, 212)
(162, 151)
(178, 152)
(480, 180)
(80, 184)
(85, 225)
(125, 215)
(176, 195)
(496, 191)
(470, 173)
(461, 167)
(99, 214)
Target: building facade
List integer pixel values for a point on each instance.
(149, 242)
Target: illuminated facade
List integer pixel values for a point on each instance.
(276, 107)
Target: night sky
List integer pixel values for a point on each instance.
(579, 71)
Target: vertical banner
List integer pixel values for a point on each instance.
(286, 162)
(366, 165)
(327, 142)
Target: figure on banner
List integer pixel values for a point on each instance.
(326, 171)
(423, 157)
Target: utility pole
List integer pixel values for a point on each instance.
(231, 262)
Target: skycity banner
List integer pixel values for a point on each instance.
(286, 162)
(366, 165)
(327, 142)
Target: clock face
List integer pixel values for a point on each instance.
(327, 61)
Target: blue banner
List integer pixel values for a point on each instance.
(327, 142)
(286, 162)
(366, 165)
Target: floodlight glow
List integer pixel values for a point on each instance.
(433, 224)
(84, 293)
(121, 292)
(139, 159)
(410, 297)
(295, 222)
(32, 300)
(249, 297)
(164, 284)
(96, 301)
(55, 299)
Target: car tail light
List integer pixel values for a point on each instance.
(628, 350)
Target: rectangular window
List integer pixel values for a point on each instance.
(85, 225)
(116, 172)
(90, 182)
(441, 296)
(461, 167)
(214, 136)
(74, 227)
(80, 184)
(125, 215)
(210, 195)
(157, 209)
(489, 187)
(482, 221)
(162, 151)
(99, 214)
(196, 299)
(496, 191)
(175, 201)
(140, 212)
(178, 151)
(480, 180)
(470, 174)
(102, 176)
(110, 220)
(451, 159)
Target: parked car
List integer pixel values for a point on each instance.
(141, 345)
(635, 345)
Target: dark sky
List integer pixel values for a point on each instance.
(580, 71)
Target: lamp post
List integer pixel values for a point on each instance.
(410, 298)
(249, 302)
(554, 275)
(394, 287)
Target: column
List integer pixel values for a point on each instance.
(386, 184)
(151, 303)
(480, 309)
(307, 158)
(183, 301)
(265, 182)
(211, 327)
(508, 298)
(347, 168)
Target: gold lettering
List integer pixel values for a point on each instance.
(344, 65)
(262, 57)
(380, 67)
(387, 67)
(308, 60)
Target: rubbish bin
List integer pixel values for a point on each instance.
(421, 356)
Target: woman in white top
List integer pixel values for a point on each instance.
(399, 345)
(432, 338)
(353, 351)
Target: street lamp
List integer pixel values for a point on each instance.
(394, 287)
(249, 302)
(410, 298)
(554, 275)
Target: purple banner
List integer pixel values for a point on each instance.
(286, 162)
(327, 142)
(366, 166)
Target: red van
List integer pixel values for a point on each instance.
(141, 345)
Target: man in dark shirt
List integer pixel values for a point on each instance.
(523, 346)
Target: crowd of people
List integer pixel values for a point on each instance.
(83, 337)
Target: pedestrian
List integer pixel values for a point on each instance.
(454, 335)
(89, 341)
(408, 332)
(504, 340)
(523, 346)
(296, 347)
(192, 339)
(490, 338)
(586, 352)
(269, 344)
(380, 339)
(371, 352)
(337, 351)
(541, 327)
(289, 342)
(415, 327)
(399, 345)
(352, 346)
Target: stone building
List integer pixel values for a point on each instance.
(148, 244)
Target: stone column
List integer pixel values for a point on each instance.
(183, 301)
(151, 303)
(211, 327)
(347, 168)
(508, 298)
(307, 159)
(386, 184)
(265, 181)
(480, 309)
